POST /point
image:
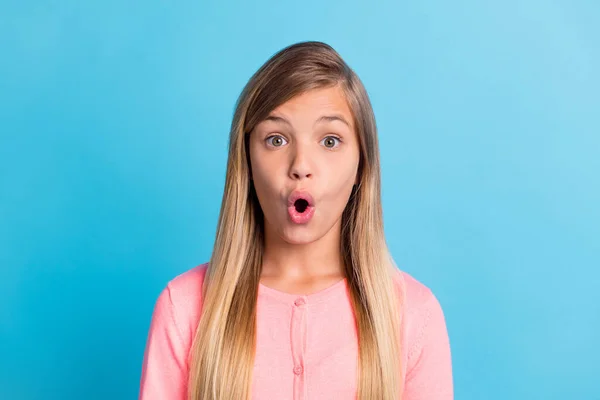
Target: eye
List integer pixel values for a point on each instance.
(276, 140)
(330, 141)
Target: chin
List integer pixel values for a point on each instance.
(299, 235)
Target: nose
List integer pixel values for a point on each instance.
(300, 164)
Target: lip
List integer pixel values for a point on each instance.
(295, 216)
(300, 194)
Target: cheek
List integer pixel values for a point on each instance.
(265, 183)
(257, 166)
(339, 187)
(264, 173)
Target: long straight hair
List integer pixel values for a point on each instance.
(223, 349)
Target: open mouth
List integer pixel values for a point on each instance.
(301, 205)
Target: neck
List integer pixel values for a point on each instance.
(320, 258)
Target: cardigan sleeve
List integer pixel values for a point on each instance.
(164, 369)
(429, 374)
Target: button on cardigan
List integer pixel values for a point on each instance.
(306, 345)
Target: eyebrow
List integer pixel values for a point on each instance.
(323, 118)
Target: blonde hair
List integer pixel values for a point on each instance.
(222, 353)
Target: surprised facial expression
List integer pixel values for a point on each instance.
(304, 158)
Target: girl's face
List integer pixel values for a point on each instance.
(306, 146)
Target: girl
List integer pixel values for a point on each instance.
(301, 298)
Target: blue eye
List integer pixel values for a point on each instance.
(330, 141)
(277, 141)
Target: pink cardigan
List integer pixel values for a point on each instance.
(306, 344)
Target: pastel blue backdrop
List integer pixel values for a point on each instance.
(114, 118)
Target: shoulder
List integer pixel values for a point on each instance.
(173, 325)
(188, 284)
(421, 311)
(416, 295)
(184, 293)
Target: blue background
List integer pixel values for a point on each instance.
(114, 118)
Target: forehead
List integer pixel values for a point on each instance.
(315, 103)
